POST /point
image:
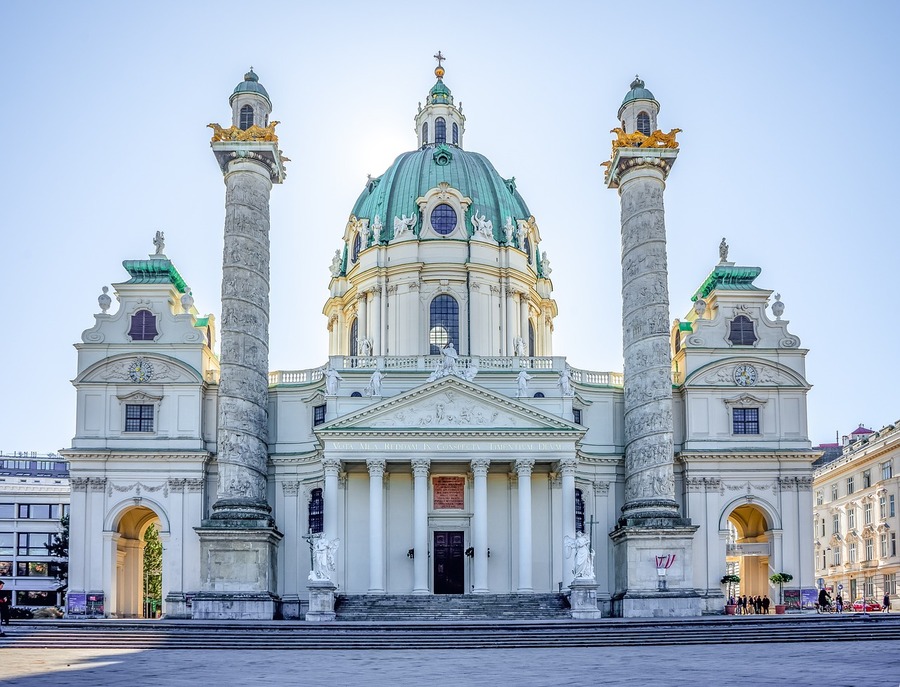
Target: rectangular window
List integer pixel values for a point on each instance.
(887, 470)
(39, 511)
(837, 556)
(882, 507)
(745, 420)
(869, 586)
(6, 542)
(576, 415)
(893, 543)
(820, 498)
(853, 593)
(7, 511)
(32, 569)
(890, 584)
(138, 417)
(851, 518)
(835, 523)
(823, 527)
(6, 568)
(33, 543)
(867, 513)
(318, 415)
(24, 598)
(849, 486)
(823, 559)
(891, 505)
(884, 545)
(852, 553)
(834, 492)
(867, 479)
(870, 549)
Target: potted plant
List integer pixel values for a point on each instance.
(780, 579)
(730, 579)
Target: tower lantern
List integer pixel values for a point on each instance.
(250, 103)
(639, 109)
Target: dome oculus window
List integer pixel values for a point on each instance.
(443, 219)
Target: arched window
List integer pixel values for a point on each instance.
(246, 117)
(316, 512)
(143, 326)
(440, 130)
(455, 134)
(579, 511)
(527, 248)
(531, 352)
(354, 338)
(677, 341)
(357, 246)
(643, 123)
(425, 133)
(741, 332)
(443, 325)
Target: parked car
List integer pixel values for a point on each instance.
(871, 605)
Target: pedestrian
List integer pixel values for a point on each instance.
(886, 604)
(765, 604)
(757, 605)
(744, 605)
(822, 604)
(839, 603)
(4, 606)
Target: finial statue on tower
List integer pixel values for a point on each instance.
(723, 251)
(159, 241)
(439, 70)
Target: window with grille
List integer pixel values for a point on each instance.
(318, 415)
(316, 512)
(354, 338)
(576, 415)
(579, 511)
(440, 130)
(246, 117)
(444, 324)
(143, 326)
(643, 123)
(425, 133)
(455, 134)
(745, 420)
(741, 331)
(443, 219)
(138, 417)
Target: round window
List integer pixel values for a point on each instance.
(443, 219)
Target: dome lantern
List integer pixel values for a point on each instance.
(440, 121)
(639, 109)
(250, 103)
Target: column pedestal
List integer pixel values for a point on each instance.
(583, 600)
(321, 601)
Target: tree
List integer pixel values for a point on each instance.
(152, 566)
(59, 549)
(781, 579)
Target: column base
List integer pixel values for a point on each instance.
(583, 600)
(291, 607)
(321, 601)
(177, 606)
(237, 572)
(641, 591)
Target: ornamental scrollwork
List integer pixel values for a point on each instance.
(657, 139)
(253, 133)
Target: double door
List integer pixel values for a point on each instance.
(449, 562)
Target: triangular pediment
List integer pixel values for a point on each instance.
(450, 404)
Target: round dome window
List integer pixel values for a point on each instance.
(443, 219)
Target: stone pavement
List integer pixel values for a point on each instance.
(820, 664)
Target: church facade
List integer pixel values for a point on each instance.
(444, 442)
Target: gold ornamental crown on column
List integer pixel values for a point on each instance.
(252, 133)
(657, 139)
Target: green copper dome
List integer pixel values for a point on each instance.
(413, 174)
(250, 84)
(440, 93)
(637, 92)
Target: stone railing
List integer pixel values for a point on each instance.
(427, 363)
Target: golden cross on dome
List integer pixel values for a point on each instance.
(440, 58)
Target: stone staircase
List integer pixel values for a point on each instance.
(451, 607)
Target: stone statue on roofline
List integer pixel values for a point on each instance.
(159, 242)
(723, 251)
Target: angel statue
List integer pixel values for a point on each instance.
(377, 226)
(159, 241)
(403, 224)
(336, 264)
(508, 231)
(323, 558)
(483, 226)
(584, 555)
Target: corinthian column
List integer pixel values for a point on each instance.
(332, 468)
(479, 524)
(523, 473)
(420, 468)
(376, 525)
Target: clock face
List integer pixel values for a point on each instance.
(140, 370)
(745, 375)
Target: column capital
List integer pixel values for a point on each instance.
(524, 465)
(376, 467)
(420, 466)
(332, 466)
(567, 466)
(291, 488)
(480, 466)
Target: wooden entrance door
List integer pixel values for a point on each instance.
(449, 563)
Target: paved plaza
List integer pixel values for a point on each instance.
(821, 664)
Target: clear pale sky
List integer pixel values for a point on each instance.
(787, 108)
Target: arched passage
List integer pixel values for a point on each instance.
(131, 577)
(749, 548)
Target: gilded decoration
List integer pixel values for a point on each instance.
(253, 133)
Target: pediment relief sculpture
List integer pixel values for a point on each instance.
(447, 410)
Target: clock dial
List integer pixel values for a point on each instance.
(140, 370)
(745, 375)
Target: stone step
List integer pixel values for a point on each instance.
(393, 608)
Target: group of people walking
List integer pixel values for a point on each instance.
(750, 605)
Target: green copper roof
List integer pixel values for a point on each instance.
(154, 271)
(637, 92)
(201, 321)
(440, 93)
(729, 278)
(413, 174)
(685, 327)
(250, 84)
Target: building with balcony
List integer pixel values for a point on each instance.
(856, 494)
